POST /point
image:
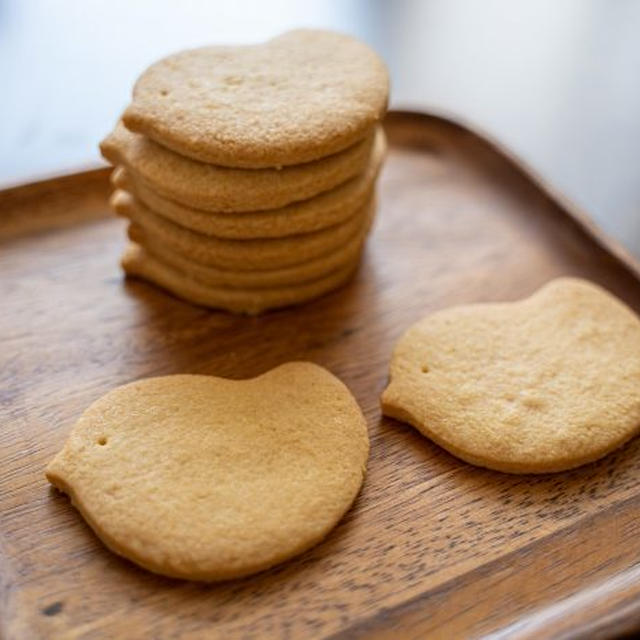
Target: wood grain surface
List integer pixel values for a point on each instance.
(433, 548)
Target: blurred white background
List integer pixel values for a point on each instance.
(557, 81)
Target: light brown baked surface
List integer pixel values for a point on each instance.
(296, 274)
(241, 255)
(301, 96)
(206, 478)
(322, 211)
(544, 384)
(139, 263)
(221, 189)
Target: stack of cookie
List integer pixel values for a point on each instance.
(248, 173)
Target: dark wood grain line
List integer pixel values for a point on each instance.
(623, 588)
(605, 611)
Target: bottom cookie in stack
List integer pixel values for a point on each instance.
(170, 264)
(138, 262)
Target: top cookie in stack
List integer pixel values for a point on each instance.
(248, 172)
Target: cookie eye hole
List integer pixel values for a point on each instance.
(424, 368)
(102, 440)
(164, 92)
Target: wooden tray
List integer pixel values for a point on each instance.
(433, 547)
